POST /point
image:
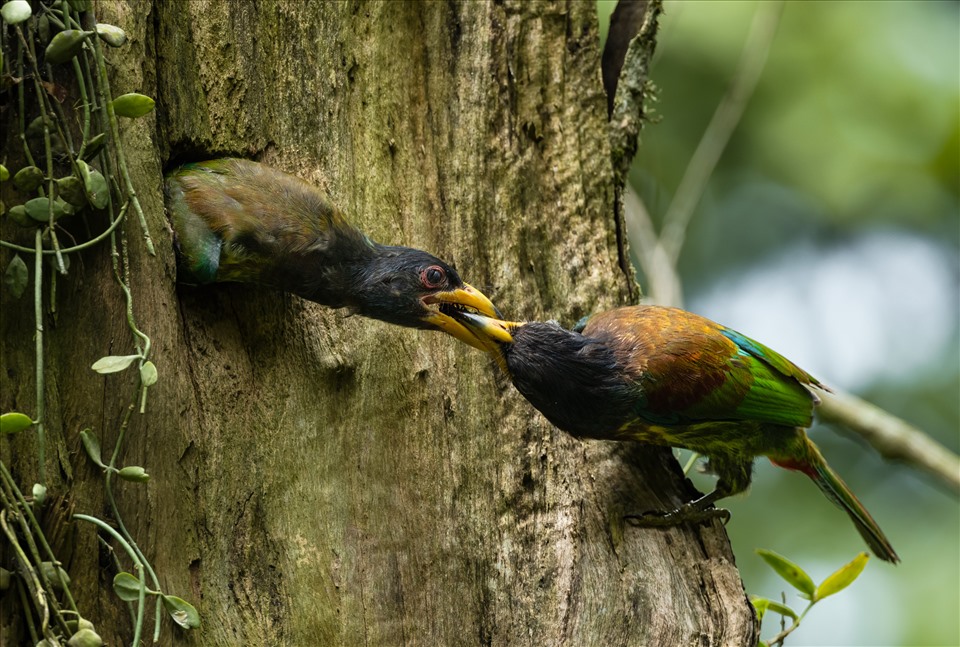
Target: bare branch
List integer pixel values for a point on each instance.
(721, 127)
(663, 282)
(892, 437)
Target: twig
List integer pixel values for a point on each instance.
(663, 282)
(721, 127)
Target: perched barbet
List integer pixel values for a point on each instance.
(665, 376)
(240, 221)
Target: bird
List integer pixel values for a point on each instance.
(235, 220)
(665, 376)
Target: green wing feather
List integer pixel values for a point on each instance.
(759, 385)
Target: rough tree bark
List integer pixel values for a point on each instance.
(320, 479)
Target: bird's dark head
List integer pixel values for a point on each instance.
(409, 287)
(573, 380)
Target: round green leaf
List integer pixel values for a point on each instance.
(111, 35)
(16, 276)
(36, 127)
(4, 173)
(39, 209)
(39, 492)
(94, 146)
(54, 575)
(148, 374)
(793, 574)
(134, 473)
(43, 28)
(132, 105)
(28, 179)
(11, 423)
(15, 12)
(71, 189)
(113, 363)
(92, 445)
(18, 214)
(842, 577)
(65, 45)
(98, 191)
(126, 586)
(85, 638)
(182, 612)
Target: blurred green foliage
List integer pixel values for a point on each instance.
(832, 219)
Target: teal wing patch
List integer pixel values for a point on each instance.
(777, 390)
(199, 247)
(580, 325)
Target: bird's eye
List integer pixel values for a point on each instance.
(433, 276)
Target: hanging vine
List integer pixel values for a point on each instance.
(71, 166)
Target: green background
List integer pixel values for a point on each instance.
(830, 232)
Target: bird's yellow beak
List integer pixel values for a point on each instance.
(445, 308)
(488, 334)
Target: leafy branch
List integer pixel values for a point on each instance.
(800, 580)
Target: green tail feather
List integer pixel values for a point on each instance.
(838, 492)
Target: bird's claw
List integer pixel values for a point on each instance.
(684, 514)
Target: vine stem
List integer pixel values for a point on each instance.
(38, 531)
(111, 469)
(24, 603)
(38, 318)
(121, 158)
(76, 248)
(21, 100)
(124, 281)
(9, 495)
(137, 564)
(39, 594)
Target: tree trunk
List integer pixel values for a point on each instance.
(319, 479)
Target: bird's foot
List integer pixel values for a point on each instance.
(687, 513)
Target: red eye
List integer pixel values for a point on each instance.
(433, 276)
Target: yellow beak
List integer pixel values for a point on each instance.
(445, 306)
(490, 335)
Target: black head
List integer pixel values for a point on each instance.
(409, 287)
(573, 380)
